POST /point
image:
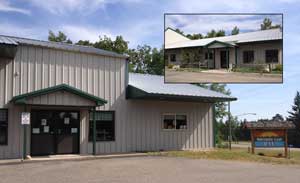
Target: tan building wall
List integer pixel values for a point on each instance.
(258, 48)
(173, 37)
(137, 123)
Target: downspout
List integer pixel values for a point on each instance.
(126, 77)
(236, 56)
(214, 58)
(94, 131)
(227, 57)
(25, 137)
(207, 56)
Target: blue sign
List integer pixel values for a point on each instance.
(269, 142)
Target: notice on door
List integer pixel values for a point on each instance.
(25, 118)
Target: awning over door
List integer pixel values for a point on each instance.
(62, 94)
(219, 44)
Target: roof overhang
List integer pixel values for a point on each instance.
(136, 93)
(8, 50)
(219, 44)
(22, 99)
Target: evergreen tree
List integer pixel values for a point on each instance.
(267, 24)
(235, 31)
(295, 113)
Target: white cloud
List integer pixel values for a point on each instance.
(66, 6)
(22, 31)
(205, 23)
(5, 6)
(196, 6)
(76, 33)
(135, 34)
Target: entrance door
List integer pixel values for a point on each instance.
(223, 56)
(54, 132)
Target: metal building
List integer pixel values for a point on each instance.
(82, 100)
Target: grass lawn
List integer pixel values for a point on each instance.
(191, 69)
(237, 154)
(254, 70)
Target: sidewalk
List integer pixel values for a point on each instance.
(69, 157)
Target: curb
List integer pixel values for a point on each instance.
(79, 158)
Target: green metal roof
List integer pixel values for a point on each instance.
(21, 99)
(220, 42)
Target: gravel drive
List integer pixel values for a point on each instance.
(231, 77)
(149, 169)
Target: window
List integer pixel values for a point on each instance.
(174, 121)
(248, 56)
(3, 126)
(208, 55)
(173, 58)
(105, 126)
(271, 56)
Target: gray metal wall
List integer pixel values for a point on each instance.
(139, 127)
(138, 123)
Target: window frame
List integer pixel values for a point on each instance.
(114, 126)
(171, 55)
(247, 51)
(208, 56)
(267, 57)
(174, 129)
(6, 139)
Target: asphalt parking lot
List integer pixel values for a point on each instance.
(229, 77)
(148, 169)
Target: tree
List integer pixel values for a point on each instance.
(214, 33)
(235, 31)
(194, 36)
(157, 63)
(84, 43)
(210, 34)
(294, 115)
(140, 58)
(60, 37)
(179, 31)
(278, 117)
(119, 45)
(220, 33)
(267, 24)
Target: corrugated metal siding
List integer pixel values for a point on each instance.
(60, 98)
(35, 68)
(15, 135)
(139, 128)
(138, 123)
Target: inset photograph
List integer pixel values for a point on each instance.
(223, 48)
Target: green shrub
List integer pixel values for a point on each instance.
(170, 66)
(259, 68)
(278, 67)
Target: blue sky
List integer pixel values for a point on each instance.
(141, 22)
(199, 23)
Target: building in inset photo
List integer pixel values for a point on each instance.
(223, 48)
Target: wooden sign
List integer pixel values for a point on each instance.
(269, 138)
